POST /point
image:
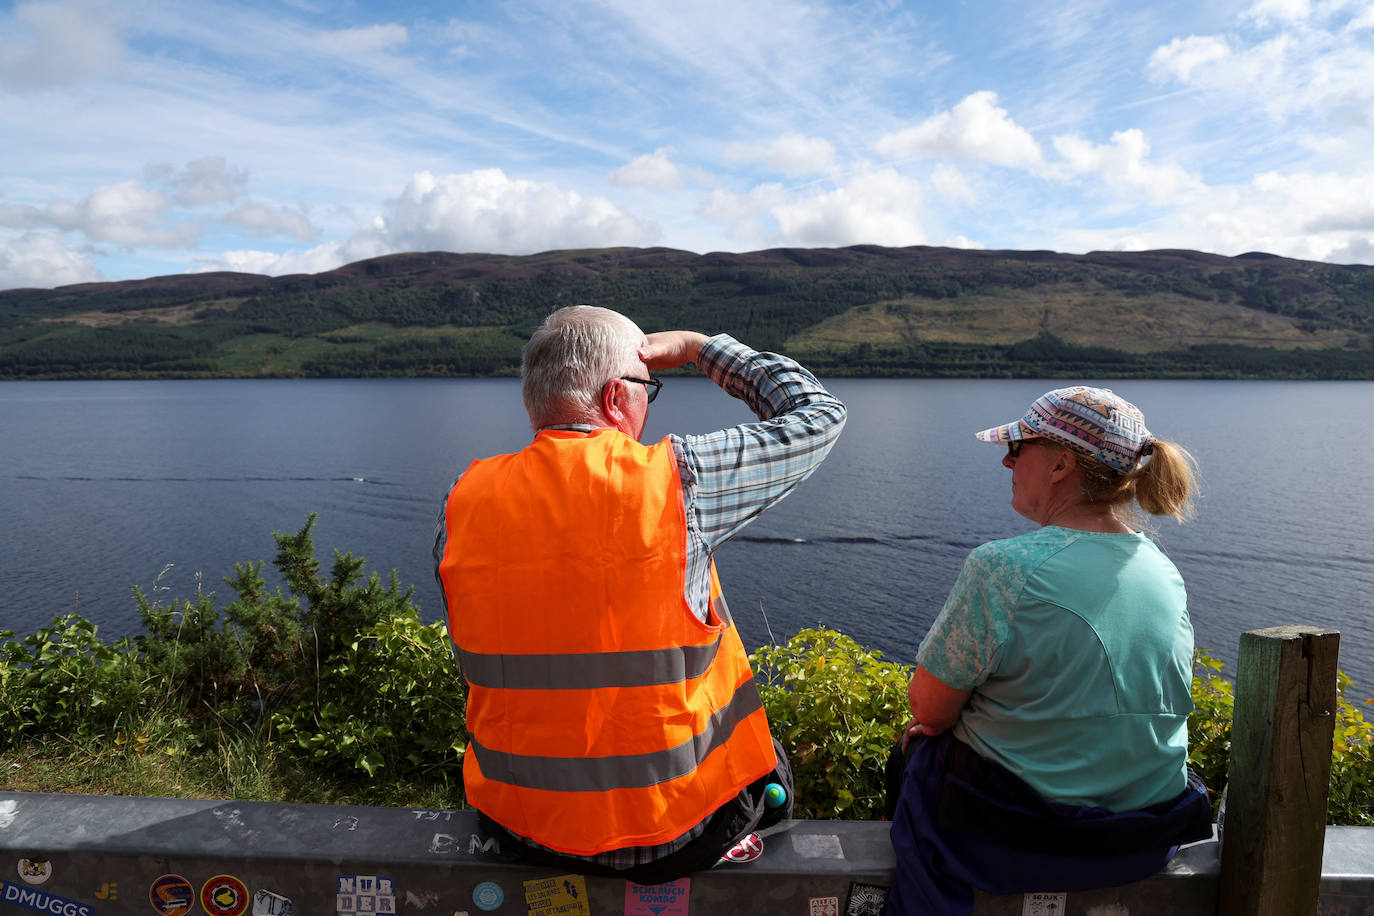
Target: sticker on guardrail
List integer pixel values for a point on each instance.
(865, 900)
(565, 895)
(823, 906)
(362, 895)
(224, 895)
(1042, 904)
(1344, 905)
(41, 901)
(488, 895)
(35, 869)
(658, 899)
(172, 895)
(817, 846)
(266, 903)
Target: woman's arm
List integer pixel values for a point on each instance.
(935, 706)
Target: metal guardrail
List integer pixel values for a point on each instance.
(80, 855)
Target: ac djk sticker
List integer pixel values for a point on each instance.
(224, 895)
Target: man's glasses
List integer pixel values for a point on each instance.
(651, 383)
(1014, 448)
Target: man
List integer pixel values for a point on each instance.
(614, 724)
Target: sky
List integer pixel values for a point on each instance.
(150, 137)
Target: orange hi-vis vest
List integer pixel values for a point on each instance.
(602, 714)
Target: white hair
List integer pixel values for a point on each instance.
(570, 358)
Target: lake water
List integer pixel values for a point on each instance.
(165, 484)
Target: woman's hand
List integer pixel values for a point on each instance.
(913, 728)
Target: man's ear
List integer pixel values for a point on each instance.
(613, 395)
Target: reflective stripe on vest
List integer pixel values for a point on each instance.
(602, 713)
(598, 774)
(642, 668)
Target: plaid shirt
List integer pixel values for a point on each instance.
(729, 478)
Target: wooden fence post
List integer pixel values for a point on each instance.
(1280, 771)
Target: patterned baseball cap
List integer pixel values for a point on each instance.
(1090, 421)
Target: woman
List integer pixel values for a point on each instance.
(1048, 745)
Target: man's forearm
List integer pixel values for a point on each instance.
(740, 471)
(771, 384)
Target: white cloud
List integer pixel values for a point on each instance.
(58, 44)
(1321, 202)
(1316, 216)
(975, 129)
(1356, 251)
(951, 184)
(261, 220)
(1310, 66)
(276, 263)
(125, 213)
(486, 211)
(746, 216)
(365, 40)
(205, 181)
(1182, 56)
(792, 154)
(879, 207)
(1266, 11)
(652, 170)
(40, 259)
(1123, 165)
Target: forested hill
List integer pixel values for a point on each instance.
(863, 310)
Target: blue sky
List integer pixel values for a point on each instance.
(150, 137)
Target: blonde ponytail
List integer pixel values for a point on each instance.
(1166, 484)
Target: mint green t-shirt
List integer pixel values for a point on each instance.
(1079, 652)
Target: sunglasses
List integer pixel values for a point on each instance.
(1014, 447)
(652, 384)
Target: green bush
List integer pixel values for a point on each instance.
(1351, 799)
(396, 703)
(64, 680)
(342, 677)
(343, 668)
(1352, 762)
(1209, 725)
(837, 709)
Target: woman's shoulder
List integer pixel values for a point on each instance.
(1015, 557)
(1040, 542)
(1022, 555)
